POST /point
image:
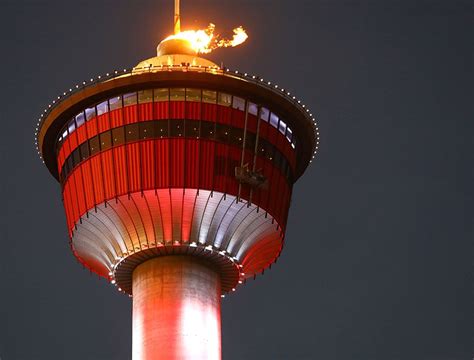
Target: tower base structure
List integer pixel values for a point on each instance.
(176, 309)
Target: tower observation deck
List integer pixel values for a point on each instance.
(176, 178)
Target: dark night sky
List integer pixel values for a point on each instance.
(379, 247)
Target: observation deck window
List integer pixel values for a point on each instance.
(282, 127)
(274, 120)
(71, 127)
(90, 113)
(238, 103)
(130, 99)
(102, 108)
(161, 95)
(177, 94)
(253, 108)
(264, 114)
(193, 95)
(225, 99)
(115, 103)
(209, 96)
(145, 96)
(80, 119)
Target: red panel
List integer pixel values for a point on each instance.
(80, 191)
(193, 110)
(225, 115)
(192, 164)
(120, 163)
(161, 110)
(103, 123)
(108, 170)
(262, 254)
(116, 118)
(130, 114)
(206, 165)
(82, 134)
(209, 112)
(162, 158)
(88, 184)
(133, 166)
(145, 111)
(176, 109)
(91, 127)
(97, 178)
(220, 171)
(147, 164)
(177, 162)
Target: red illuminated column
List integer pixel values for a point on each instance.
(176, 310)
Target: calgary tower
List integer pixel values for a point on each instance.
(176, 178)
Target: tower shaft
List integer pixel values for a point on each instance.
(176, 310)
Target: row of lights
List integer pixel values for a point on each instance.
(116, 72)
(207, 248)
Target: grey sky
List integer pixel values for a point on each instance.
(379, 247)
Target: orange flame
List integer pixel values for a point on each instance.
(204, 41)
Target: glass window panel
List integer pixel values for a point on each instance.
(209, 96)
(289, 134)
(71, 126)
(80, 119)
(145, 96)
(76, 157)
(274, 120)
(90, 113)
(225, 99)
(192, 128)
(131, 132)
(146, 129)
(222, 133)
(94, 145)
(238, 103)
(115, 103)
(193, 95)
(130, 99)
(161, 94)
(64, 134)
(118, 136)
(177, 128)
(70, 164)
(161, 128)
(177, 94)
(105, 140)
(264, 114)
(282, 126)
(253, 109)
(102, 108)
(207, 130)
(236, 136)
(84, 150)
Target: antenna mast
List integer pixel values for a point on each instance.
(177, 20)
